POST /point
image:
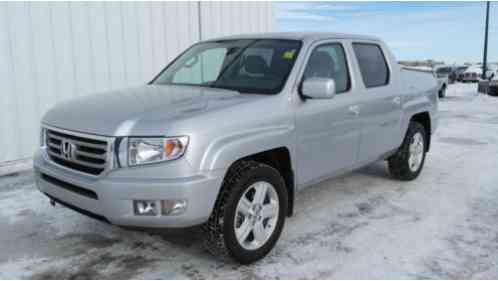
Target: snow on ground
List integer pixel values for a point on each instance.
(360, 225)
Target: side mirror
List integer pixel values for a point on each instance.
(318, 88)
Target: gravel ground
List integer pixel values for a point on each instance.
(360, 225)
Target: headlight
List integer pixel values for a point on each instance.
(153, 150)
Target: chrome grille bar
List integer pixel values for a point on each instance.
(88, 154)
(98, 146)
(91, 155)
(91, 165)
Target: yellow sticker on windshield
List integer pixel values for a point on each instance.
(289, 55)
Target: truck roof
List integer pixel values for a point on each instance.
(305, 36)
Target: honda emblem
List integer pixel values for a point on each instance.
(68, 149)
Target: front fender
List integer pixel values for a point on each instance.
(224, 151)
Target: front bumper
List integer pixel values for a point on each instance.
(111, 197)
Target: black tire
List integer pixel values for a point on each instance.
(442, 92)
(220, 238)
(493, 91)
(399, 166)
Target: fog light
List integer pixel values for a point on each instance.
(145, 207)
(173, 207)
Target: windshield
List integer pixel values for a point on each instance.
(248, 66)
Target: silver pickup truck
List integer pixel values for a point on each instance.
(228, 133)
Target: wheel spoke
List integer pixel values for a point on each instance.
(269, 210)
(259, 233)
(243, 231)
(244, 206)
(413, 147)
(260, 194)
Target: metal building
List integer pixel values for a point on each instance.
(51, 52)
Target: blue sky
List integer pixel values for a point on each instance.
(449, 31)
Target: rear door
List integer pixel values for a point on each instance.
(381, 101)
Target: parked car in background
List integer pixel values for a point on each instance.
(457, 73)
(487, 85)
(472, 74)
(226, 135)
(492, 76)
(492, 71)
(493, 86)
(442, 75)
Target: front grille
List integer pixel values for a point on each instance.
(81, 153)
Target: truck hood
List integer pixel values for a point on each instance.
(145, 110)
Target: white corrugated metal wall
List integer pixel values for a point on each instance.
(50, 52)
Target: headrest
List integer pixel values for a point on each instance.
(255, 65)
(320, 65)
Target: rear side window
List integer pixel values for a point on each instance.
(373, 65)
(329, 61)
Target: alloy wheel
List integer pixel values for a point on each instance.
(256, 215)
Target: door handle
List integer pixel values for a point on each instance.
(354, 110)
(397, 100)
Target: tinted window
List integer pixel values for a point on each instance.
(329, 61)
(373, 65)
(246, 65)
(443, 70)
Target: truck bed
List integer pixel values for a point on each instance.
(417, 79)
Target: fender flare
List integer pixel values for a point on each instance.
(224, 151)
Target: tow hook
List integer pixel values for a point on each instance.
(52, 202)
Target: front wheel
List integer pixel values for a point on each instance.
(408, 161)
(249, 214)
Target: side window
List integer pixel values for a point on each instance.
(329, 61)
(373, 65)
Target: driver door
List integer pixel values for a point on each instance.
(328, 130)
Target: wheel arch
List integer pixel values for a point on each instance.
(280, 159)
(425, 120)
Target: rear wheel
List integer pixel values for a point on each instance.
(442, 92)
(249, 214)
(409, 160)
